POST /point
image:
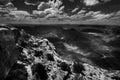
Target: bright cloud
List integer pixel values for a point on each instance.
(98, 15)
(49, 9)
(19, 13)
(81, 12)
(94, 2)
(91, 2)
(39, 13)
(42, 6)
(102, 16)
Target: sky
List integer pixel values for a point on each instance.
(76, 10)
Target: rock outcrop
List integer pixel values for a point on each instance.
(8, 51)
(27, 57)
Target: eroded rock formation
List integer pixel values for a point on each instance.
(27, 57)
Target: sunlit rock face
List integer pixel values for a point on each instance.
(59, 53)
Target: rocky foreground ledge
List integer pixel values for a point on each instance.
(25, 57)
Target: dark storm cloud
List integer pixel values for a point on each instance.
(106, 6)
(70, 6)
(3, 2)
(6, 3)
(20, 4)
(79, 10)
